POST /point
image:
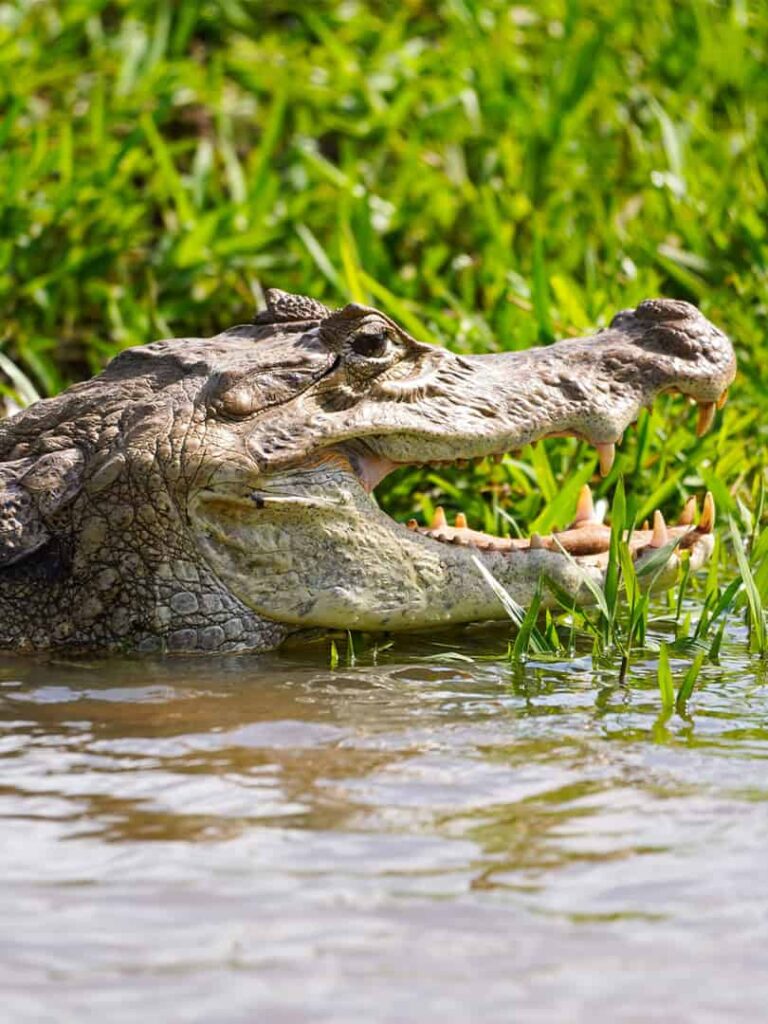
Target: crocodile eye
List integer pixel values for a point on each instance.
(371, 344)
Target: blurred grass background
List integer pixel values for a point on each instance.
(493, 175)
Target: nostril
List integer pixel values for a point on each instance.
(673, 342)
(666, 309)
(670, 327)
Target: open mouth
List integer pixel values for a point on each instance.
(586, 537)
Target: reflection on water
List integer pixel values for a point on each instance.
(428, 834)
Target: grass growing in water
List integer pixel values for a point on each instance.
(623, 613)
(491, 175)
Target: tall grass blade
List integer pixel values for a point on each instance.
(664, 676)
(688, 683)
(755, 604)
(512, 608)
(25, 391)
(522, 642)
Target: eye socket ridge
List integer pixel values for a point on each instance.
(372, 343)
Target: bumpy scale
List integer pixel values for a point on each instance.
(214, 494)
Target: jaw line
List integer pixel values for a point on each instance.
(587, 539)
(371, 468)
(398, 569)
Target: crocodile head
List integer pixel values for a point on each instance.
(215, 494)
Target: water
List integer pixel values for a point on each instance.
(426, 838)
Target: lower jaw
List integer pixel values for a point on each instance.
(586, 538)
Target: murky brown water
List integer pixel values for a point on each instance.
(264, 839)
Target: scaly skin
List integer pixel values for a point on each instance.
(214, 494)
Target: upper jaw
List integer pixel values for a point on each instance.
(590, 388)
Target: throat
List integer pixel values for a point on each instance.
(372, 469)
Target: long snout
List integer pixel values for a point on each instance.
(594, 387)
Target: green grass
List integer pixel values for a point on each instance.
(492, 175)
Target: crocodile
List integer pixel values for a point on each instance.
(207, 495)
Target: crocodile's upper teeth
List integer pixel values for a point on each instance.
(606, 453)
(706, 415)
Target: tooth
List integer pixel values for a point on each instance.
(438, 519)
(707, 521)
(585, 507)
(412, 524)
(461, 521)
(646, 525)
(536, 541)
(722, 399)
(707, 412)
(660, 536)
(606, 453)
(689, 512)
